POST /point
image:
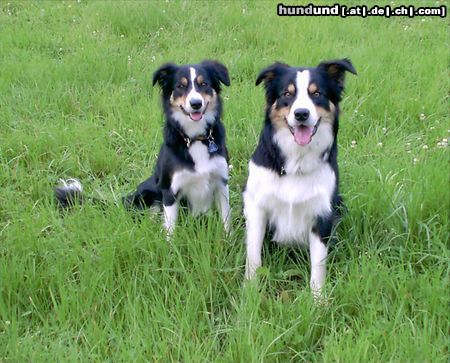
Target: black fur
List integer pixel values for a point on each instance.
(68, 197)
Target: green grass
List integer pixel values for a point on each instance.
(97, 285)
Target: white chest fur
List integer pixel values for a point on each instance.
(308, 158)
(290, 203)
(199, 185)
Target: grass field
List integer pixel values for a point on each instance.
(98, 285)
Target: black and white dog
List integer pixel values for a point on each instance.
(192, 164)
(293, 182)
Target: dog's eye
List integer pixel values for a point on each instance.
(287, 94)
(180, 86)
(316, 94)
(203, 84)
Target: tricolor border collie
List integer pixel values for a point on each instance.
(192, 164)
(293, 182)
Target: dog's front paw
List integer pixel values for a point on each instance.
(320, 298)
(251, 269)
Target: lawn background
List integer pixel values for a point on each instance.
(98, 285)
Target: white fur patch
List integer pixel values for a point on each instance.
(193, 94)
(289, 203)
(170, 217)
(199, 186)
(71, 184)
(318, 253)
(302, 100)
(307, 158)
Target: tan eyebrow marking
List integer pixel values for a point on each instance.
(184, 81)
(200, 79)
(291, 88)
(312, 88)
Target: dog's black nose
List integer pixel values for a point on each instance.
(196, 104)
(301, 114)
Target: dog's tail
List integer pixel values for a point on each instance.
(69, 192)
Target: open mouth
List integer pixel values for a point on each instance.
(303, 134)
(194, 116)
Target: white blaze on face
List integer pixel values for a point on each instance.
(193, 94)
(193, 122)
(302, 100)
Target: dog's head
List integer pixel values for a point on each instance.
(191, 93)
(300, 99)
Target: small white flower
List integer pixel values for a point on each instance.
(230, 167)
(384, 129)
(419, 138)
(443, 143)
(353, 144)
(380, 144)
(408, 144)
(415, 161)
(356, 111)
(122, 36)
(422, 117)
(425, 147)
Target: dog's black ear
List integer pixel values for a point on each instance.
(268, 75)
(335, 69)
(218, 73)
(164, 75)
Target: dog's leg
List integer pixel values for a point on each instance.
(318, 254)
(145, 196)
(170, 205)
(256, 227)
(222, 199)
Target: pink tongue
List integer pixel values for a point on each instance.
(303, 135)
(196, 116)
